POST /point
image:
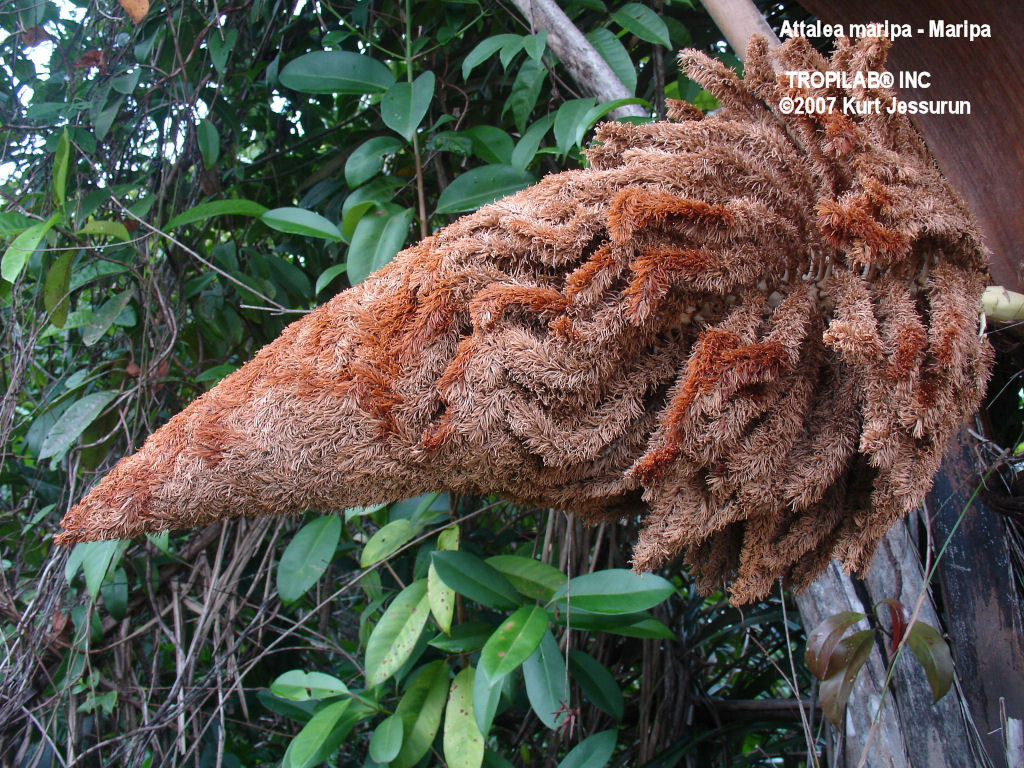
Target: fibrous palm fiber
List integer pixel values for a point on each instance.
(764, 326)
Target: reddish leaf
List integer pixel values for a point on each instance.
(898, 617)
(848, 658)
(932, 651)
(824, 639)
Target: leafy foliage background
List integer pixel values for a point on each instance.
(173, 193)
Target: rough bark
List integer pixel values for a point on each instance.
(591, 73)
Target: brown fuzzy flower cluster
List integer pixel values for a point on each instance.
(764, 326)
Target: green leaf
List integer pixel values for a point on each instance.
(393, 639)
(386, 741)
(491, 144)
(510, 49)
(441, 598)
(336, 72)
(597, 683)
(534, 45)
(525, 91)
(403, 106)
(385, 542)
(107, 228)
(615, 590)
(470, 576)
(481, 186)
(526, 148)
(514, 641)
(353, 215)
(643, 22)
(602, 109)
(484, 50)
(96, 559)
(215, 373)
(327, 276)
(305, 748)
(486, 697)
(544, 674)
(209, 142)
(299, 221)
(299, 685)
(531, 578)
(220, 48)
(367, 160)
(464, 638)
(73, 422)
(115, 594)
(628, 624)
(462, 741)
(844, 664)
(12, 223)
(571, 123)
(376, 240)
(23, 246)
(104, 317)
(592, 752)
(205, 211)
(932, 652)
(307, 556)
(824, 638)
(420, 710)
(614, 53)
(56, 288)
(60, 168)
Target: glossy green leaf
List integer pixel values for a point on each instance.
(510, 49)
(615, 590)
(299, 221)
(525, 91)
(466, 637)
(56, 288)
(306, 747)
(441, 598)
(209, 142)
(593, 752)
(376, 240)
(600, 110)
(532, 578)
(614, 53)
(526, 147)
(104, 317)
(484, 50)
(473, 578)
(405, 104)
(353, 215)
(221, 42)
(462, 741)
(386, 741)
(24, 245)
(106, 228)
(534, 45)
(299, 685)
(628, 624)
(393, 639)
(844, 665)
(385, 542)
(643, 22)
(420, 709)
(367, 160)
(96, 559)
(571, 123)
(115, 594)
(932, 651)
(73, 422)
(336, 72)
(491, 144)
(60, 168)
(481, 186)
(327, 276)
(307, 556)
(513, 641)
(205, 211)
(216, 373)
(12, 223)
(597, 683)
(823, 639)
(544, 674)
(486, 697)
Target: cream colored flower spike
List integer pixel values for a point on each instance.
(765, 326)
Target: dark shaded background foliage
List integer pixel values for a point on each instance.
(162, 654)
